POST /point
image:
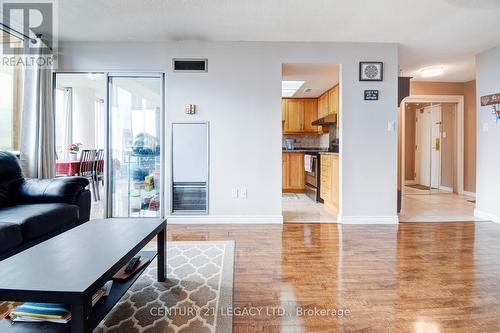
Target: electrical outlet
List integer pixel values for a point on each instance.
(485, 127)
(234, 193)
(244, 193)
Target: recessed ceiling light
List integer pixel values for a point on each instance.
(288, 88)
(431, 71)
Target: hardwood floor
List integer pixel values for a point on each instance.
(413, 277)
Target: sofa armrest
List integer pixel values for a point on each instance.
(84, 204)
(58, 190)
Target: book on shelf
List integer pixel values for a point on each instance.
(51, 312)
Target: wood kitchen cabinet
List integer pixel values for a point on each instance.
(333, 100)
(298, 115)
(329, 186)
(310, 115)
(323, 105)
(293, 173)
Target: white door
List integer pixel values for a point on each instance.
(436, 146)
(423, 147)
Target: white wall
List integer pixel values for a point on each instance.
(488, 142)
(241, 97)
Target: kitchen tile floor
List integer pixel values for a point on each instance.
(299, 208)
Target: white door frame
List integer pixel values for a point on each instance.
(459, 124)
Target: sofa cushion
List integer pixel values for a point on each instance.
(10, 236)
(36, 220)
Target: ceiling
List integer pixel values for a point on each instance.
(317, 77)
(444, 33)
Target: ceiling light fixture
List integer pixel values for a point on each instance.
(288, 88)
(431, 71)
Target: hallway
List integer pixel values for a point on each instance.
(441, 207)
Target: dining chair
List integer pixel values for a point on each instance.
(98, 171)
(86, 168)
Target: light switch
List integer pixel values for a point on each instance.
(234, 193)
(190, 108)
(485, 127)
(444, 135)
(390, 126)
(244, 193)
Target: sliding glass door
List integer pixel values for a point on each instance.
(135, 145)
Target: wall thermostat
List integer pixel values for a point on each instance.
(190, 108)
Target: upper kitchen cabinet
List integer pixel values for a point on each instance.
(299, 113)
(333, 100)
(310, 115)
(294, 116)
(323, 107)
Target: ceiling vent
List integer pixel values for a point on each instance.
(190, 65)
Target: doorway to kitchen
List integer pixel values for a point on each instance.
(311, 110)
(432, 171)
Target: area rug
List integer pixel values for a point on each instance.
(194, 299)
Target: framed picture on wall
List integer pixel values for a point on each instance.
(371, 71)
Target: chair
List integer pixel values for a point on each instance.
(98, 170)
(86, 168)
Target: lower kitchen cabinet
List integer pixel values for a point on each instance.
(293, 173)
(329, 186)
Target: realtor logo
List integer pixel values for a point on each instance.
(29, 19)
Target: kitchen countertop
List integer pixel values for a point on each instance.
(328, 153)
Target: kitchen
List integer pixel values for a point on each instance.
(310, 157)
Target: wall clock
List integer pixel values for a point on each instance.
(371, 71)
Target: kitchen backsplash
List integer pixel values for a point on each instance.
(308, 141)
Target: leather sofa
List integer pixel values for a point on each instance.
(34, 210)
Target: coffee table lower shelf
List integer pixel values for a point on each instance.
(99, 311)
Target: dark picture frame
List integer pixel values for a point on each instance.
(362, 75)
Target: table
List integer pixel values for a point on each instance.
(72, 266)
(68, 168)
(72, 168)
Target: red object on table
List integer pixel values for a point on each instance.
(68, 168)
(72, 168)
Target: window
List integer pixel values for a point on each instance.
(10, 102)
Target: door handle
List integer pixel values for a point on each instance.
(437, 147)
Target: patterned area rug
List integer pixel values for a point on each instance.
(194, 299)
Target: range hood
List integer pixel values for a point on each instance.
(331, 119)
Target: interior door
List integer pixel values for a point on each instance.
(436, 147)
(423, 147)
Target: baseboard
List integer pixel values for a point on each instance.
(446, 188)
(224, 219)
(469, 194)
(486, 216)
(410, 182)
(368, 219)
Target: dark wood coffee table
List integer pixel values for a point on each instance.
(72, 266)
